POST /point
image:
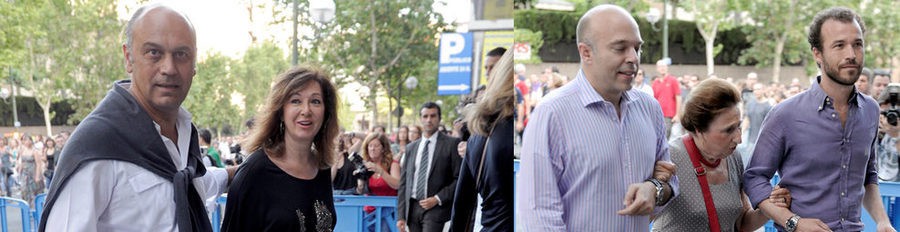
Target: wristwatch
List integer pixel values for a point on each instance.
(659, 191)
(791, 224)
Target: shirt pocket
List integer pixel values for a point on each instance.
(145, 181)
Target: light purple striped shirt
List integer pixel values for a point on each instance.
(578, 159)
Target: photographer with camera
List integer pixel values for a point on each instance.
(378, 172)
(342, 180)
(886, 148)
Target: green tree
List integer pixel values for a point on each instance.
(210, 99)
(778, 37)
(711, 17)
(379, 43)
(61, 45)
(254, 74)
(882, 33)
(535, 41)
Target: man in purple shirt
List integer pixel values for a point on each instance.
(820, 141)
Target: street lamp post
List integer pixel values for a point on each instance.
(665, 29)
(410, 84)
(653, 17)
(322, 11)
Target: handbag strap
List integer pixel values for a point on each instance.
(481, 163)
(704, 185)
(471, 220)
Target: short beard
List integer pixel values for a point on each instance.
(834, 73)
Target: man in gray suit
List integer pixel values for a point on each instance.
(428, 182)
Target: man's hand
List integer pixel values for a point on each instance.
(428, 203)
(401, 225)
(885, 227)
(640, 199)
(811, 224)
(664, 171)
(676, 119)
(780, 197)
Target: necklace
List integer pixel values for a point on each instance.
(714, 164)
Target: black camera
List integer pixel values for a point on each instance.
(891, 97)
(359, 167)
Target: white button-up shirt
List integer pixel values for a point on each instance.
(110, 195)
(433, 140)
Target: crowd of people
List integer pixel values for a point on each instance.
(619, 147)
(27, 163)
(610, 149)
(138, 161)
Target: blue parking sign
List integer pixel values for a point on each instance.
(455, 64)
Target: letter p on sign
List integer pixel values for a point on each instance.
(451, 45)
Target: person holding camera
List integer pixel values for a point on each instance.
(380, 173)
(342, 179)
(886, 148)
(381, 169)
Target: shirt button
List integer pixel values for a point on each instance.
(842, 194)
(844, 166)
(832, 115)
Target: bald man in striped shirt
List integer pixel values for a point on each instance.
(590, 148)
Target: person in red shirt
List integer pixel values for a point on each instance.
(667, 92)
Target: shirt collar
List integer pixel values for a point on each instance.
(589, 95)
(824, 100)
(433, 137)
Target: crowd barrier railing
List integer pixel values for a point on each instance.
(351, 216)
(349, 210)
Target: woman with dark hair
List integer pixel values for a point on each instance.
(713, 197)
(51, 153)
(402, 139)
(342, 169)
(285, 184)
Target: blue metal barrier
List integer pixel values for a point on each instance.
(38, 209)
(23, 209)
(349, 210)
(216, 215)
(351, 216)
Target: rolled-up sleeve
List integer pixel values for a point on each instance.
(767, 157)
(211, 185)
(540, 202)
(871, 167)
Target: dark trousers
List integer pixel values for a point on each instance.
(421, 220)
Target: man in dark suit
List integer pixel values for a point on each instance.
(428, 181)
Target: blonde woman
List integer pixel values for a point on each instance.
(491, 123)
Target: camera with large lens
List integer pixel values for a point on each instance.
(359, 167)
(891, 97)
